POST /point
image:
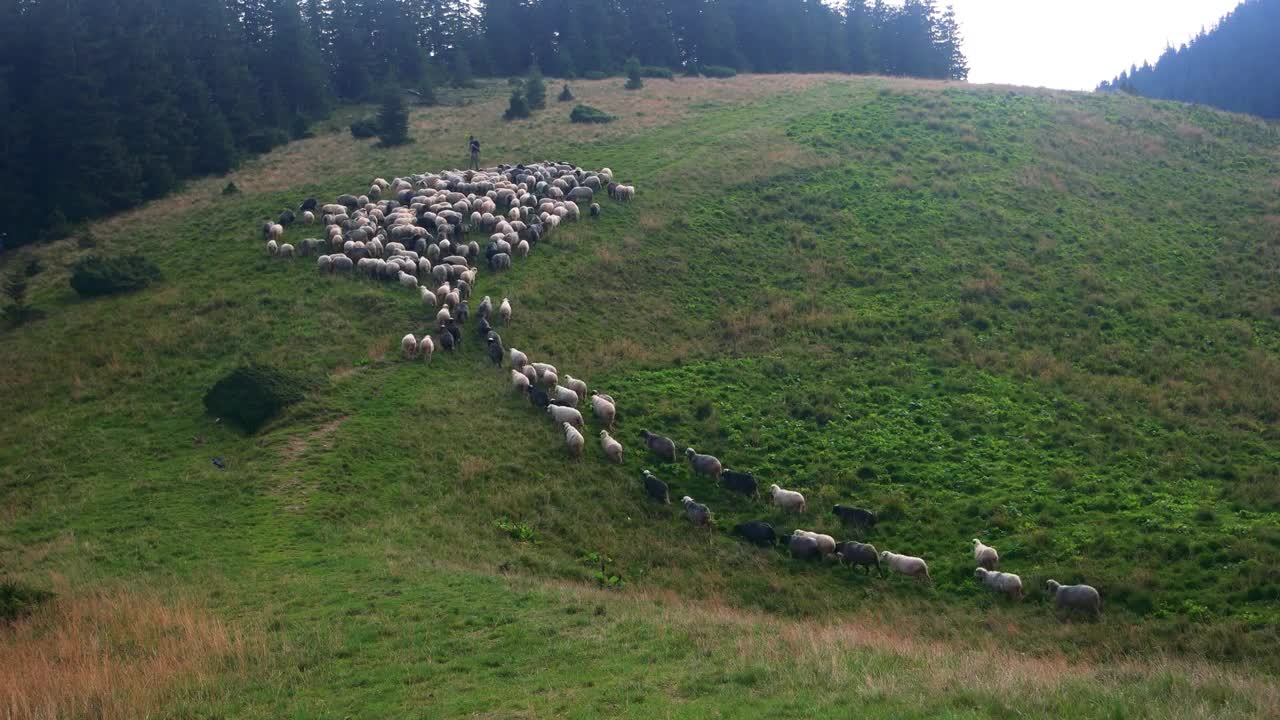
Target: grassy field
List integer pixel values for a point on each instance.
(1048, 320)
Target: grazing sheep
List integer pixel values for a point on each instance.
(343, 264)
(273, 248)
(463, 310)
(522, 250)
(604, 409)
(504, 311)
(409, 345)
(309, 217)
(561, 414)
(659, 445)
(494, 349)
(275, 232)
(443, 316)
(544, 368)
(324, 263)
(518, 359)
(857, 517)
(707, 465)
(426, 348)
(538, 397)
(826, 543)
(595, 210)
(803, 547)
(787, 499)
(408, 281)
(549, 378)
(486, 308)
(530, 373)
(562, 395)
(447, 343)
(906, 564)
(573, 439)
(1075, 597)
(1000, 582)
(501, 261)
(428, 297)
(612, 448)
(742, 482)
(576, 385)
(519, 382)
(760, 533)
(985, 555)
(698, 514)
(860, 555)
(656, 488)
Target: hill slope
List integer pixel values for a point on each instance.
(1048, 320)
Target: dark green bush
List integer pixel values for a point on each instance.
(364, 128)
(718, 71)
(588, 114)
(566, 95)
(251, 395)
(634, 81)
(594, 75)
(231, 188)
(261, 141)
(656, 71)
(17, 600)
(518, 106)
(535, 90)
(96, 276)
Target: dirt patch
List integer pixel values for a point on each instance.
(298, 444)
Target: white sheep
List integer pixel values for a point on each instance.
(324, 263)
(309, 217)
(561, 414)
(428, 297)
(1000, 582)
(563, 395)
(443, 316)
(906, 564)
(604, 409)
(286, 250)
(409, 345)
(576, 385)
(612, 448)
(522, 250)
(276, 231)
(985, 556)
(1075, 597)
(787, 499)
(826, 543)
(519, 382)
(409, 281)
(504, 311)
(273, 248)
(573, 439)
(518, 359)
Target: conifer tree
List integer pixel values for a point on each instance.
(393, 120)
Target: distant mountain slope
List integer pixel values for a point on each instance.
(1232, 67)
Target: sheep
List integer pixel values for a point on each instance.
(494, 349)
(519, 382)
(561, 414)
(504, 311)
(604, 409)
(543, 368)
(1075, 597)
(463, 310)
(562, 395)
(538, 397)
(803, 547)
(550, 379)
(826, 543)
(426, 348)
(573, 439)
(787, 499)
(501, 261)
(428, 297)
(1000, 582)
(857, 517)
(595, 210)
(518, 359)
(409, 344)
(656, 488)
(906, 564)
(612, 448)
(309, 217)
(985, 556)
(522, 250)
(408, 281)
(760, 533)
(530, 373)
(443, 316)
(485, 309)
(447, 342)
(742, 482)
(324, 263)
(663, 447)
(576, 385)
(275, 231)
(698, 514)
(343, 264)
(860, 555)
(273, 248)
(707, 465)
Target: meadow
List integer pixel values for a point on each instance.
(1045, 319)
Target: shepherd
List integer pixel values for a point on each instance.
(475, 153)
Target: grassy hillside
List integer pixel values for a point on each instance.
(1044, 319)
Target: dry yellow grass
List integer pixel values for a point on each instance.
(113, 654)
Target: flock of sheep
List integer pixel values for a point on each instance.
(414, 230)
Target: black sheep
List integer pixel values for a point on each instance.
(661, 446)
(310, 204)
(760, 533)
(495, 351)
(446, 340)
(856, 517)
(741, 482)
(656, 488)
(483, 328)
(538, 397)
(462, 311)
(455, 331)
(860, 555)
(803, 547)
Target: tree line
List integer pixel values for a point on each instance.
(1232, 67)
(108, 103)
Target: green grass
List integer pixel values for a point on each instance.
(1043, 319)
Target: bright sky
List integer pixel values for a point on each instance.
(1074, 44)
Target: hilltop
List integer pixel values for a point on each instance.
(1045, 319)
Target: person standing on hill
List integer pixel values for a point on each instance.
(474, 145)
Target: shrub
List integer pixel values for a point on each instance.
(588, 114)
(230, 189)
(393, 120)
(364, 128)
(251, 395)
(535, 91)
(656, 71)
(718, 71)
(15, 288)
(634, 82)
(95, 276)
(518, 107)
(17, 600)
(594, 75)
(691, 70)
(565, 95)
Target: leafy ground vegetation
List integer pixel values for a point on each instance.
(1048, 320)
